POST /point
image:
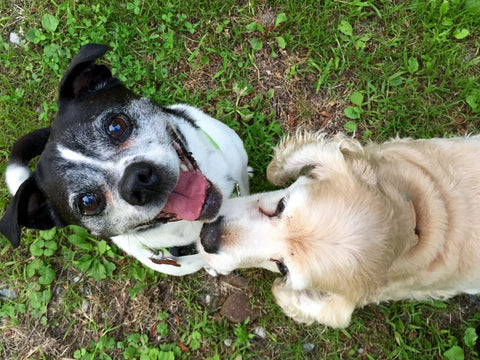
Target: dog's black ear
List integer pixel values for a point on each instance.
(29, 208)
(83, 75)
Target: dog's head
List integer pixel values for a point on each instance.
(112, 162)
(325, 230)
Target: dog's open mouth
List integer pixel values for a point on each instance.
(194, 197)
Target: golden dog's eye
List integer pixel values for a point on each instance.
(280, 207)
(282, 268)
(278, 210)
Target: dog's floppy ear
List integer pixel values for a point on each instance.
(356, 158)
(29, 208)
(306, 152)
(83, 76)
(360, 166)
(319, 156)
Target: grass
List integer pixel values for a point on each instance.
(370, 68)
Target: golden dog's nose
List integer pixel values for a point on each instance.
(210, 235)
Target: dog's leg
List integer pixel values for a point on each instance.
(180, 266)
(307, 306)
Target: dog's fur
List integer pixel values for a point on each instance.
(125, 168)
(399, 220)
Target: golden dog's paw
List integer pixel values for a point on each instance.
(309, 306)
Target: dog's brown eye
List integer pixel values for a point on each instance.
(91, 204)
(117, 128)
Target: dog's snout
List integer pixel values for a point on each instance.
(210, 236)
(141, 184)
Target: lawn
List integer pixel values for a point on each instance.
(372, 69)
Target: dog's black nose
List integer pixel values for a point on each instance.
(210, 236)
(141, 184)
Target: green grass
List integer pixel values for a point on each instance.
(372, 68)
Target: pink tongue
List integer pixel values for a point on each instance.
(187, 199)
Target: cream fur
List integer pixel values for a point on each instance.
(398, 220)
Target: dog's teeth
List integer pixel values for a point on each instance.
(183, 167)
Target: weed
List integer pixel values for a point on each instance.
(137, 346)
(95, 261)
(242, 341)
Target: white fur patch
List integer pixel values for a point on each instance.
(77, 157)
(15, 175)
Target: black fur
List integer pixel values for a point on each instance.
(29, 146)
(30, 207)
(181, 114)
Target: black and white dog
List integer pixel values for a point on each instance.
(125, 168)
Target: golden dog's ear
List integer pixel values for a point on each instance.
(356, 158)
(306, 152)
(360, 166)
(319, 156)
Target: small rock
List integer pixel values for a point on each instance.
(260, 332)
(237, 309)
(15, 39)
(308, 347)
(208, 299)
(85, 306)
(7, 294)
(228, 342)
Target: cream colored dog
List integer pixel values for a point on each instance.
(399, 220)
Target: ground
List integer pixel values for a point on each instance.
(417, 79)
